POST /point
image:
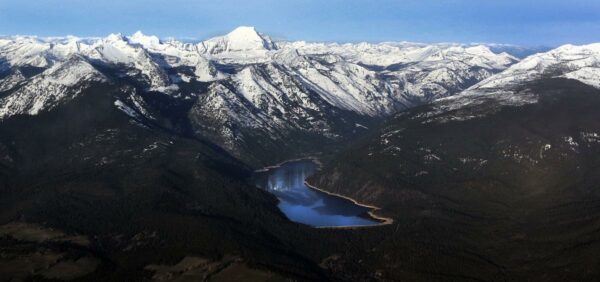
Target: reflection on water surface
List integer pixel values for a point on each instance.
(304, 205)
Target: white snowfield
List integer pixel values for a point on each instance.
(580, 63)
(274, 83)
(575, 62)
(59, 83)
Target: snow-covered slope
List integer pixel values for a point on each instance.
(575, 62)
(174, 54)
(370, 79)
(241, 39)
(244, 84)
(21, 51)
(417, 73)
(389, 53)
(57, 84)
(117, 50)
(243, 87)
(516, 86)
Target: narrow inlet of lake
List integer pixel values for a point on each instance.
(302, 204)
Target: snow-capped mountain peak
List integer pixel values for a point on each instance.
(115, 37)
(241, 39)
(148, 41)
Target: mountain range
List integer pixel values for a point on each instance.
(487, 161)
(253, 88)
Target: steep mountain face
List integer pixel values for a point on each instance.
(506, 172)
(244, 91)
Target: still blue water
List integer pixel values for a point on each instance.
(305, 205)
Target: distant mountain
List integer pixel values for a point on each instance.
(242, 39)
(520, 52)
(577, 62)
(243, 90)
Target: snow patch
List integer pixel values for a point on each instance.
(126, 109)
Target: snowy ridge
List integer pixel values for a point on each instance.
(59, 83)
(576, 62)
(116, 49)
(244, 89)
(389, 53)
(177, 54)
(580, 63)
(370, 79)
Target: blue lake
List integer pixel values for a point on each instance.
(309, 206)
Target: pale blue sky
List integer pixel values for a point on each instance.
(523, 22)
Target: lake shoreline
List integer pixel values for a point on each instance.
(371, 214)
(383, 220)
(312, 158)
